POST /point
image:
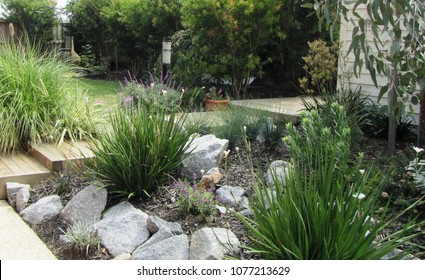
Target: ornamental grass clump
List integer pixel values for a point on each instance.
(328, 207)
(140, 149)
(38, 99)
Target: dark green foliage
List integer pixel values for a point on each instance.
(88, 27)
(127, 32)
(141, 149)
(228, 35)
(377, 122)
(273, 132)
(192, 99)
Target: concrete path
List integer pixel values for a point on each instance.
(288, 108)
(17, 240)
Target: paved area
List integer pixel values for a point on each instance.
(17, 240)
(287, 108)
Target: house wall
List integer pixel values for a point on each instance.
(345, 70)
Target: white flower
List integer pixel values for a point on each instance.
(418, 150)
(152, 84)
(86, 98)
(226, 153)
(244, 129)
(202, 172)
(361, 171)
(164, 91)
(359, 196)
(237, 149)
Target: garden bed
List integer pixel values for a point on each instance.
(236, 173)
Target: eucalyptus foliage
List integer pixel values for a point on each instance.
(327, 208)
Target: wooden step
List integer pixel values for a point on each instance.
(20, 168)
(63, 157)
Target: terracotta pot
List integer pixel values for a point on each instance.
(216, 104)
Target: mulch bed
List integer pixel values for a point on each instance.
(162, 203)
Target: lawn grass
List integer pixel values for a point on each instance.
(100, 91)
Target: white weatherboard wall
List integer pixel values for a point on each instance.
(346, 66)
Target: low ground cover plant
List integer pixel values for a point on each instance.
(195, 199)
(80, 239)
(328, 207)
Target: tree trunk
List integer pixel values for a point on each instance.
(421, 132)
(392, 103)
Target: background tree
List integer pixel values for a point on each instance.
(88, 26)
(36, 17)
(285, 53)
(129, 32)
(393, 47)
(227, 36)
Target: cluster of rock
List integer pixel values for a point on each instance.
(125, 231)
(129, 233)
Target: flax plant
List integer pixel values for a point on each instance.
(327, 209)
(140, 150)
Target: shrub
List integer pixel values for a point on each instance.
(140, 150)
(272, 132)
(232, 121)
(327, 214)
(38, 101)
(158, 93)
(320, 68)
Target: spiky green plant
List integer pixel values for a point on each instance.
(327, 209)
(140, 150)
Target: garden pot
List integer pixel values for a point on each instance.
(216, 104)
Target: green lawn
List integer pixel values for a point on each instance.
(100, 91)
